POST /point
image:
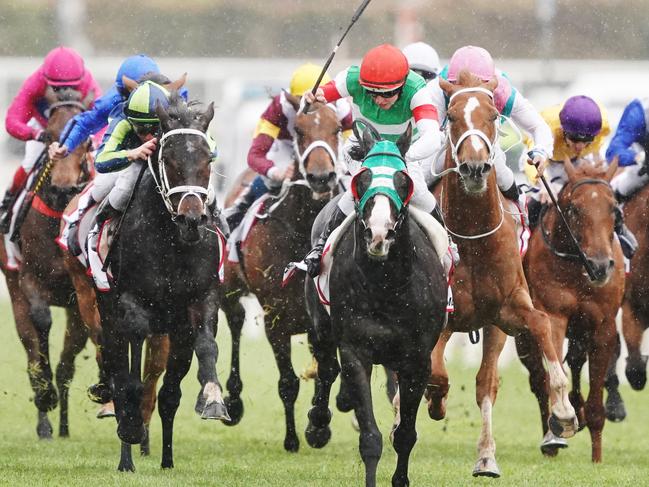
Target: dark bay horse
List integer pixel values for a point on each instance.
(387, 302)
(283, 236)
(42, 280)
(580, 309)
(166, 277)
(489, 286)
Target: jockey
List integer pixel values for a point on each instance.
(510, 103)
(391, 97)
(27, 115)
(271, 153)
(129, 141)
(423, 60)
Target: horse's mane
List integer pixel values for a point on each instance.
(181, 111)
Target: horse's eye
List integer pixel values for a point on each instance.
(338, 130)
(298, 131)
(451, 118)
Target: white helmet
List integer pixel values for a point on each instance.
(422, 57)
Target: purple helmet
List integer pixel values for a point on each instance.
(581, 117)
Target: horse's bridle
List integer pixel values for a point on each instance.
(546, 234)
(162, 181)
(302, 156)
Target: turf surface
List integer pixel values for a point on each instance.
(251, 454)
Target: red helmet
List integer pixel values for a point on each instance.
(63, 66)
(384, 68)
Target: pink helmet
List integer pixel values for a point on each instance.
(474, 59)
(63, 66)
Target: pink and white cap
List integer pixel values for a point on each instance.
(476, 60)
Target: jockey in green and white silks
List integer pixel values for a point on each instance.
(385, 93)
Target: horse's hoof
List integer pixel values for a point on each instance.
(317, 437)
(615, 409)
(234, 409)
(291, 444)
(400, 480)
(437, 408)
(215, 410)
(167, 464)
(563, 428)
(44, 429)
(64, 432)
(47, 398)
(636, 373)
(99, 393)
(126, 467)
(486, 467)
(145, 449)
(131, 434)
(551, 444)
(106, 411)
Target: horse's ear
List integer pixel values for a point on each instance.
(293, 100)
(404, 141)
(446, 86)
(570, 169)
(612, 168)
(176, 85)
(206, 117)
(129, 84)
(368, 140)
(492, 85)
(163, 116)
(90, 97)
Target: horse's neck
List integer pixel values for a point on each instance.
(299, 210)
(469, 213)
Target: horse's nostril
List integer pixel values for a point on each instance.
(611, 263)
(391, 235)
(332, 176)
(464, 169)
(486, 168)
(368, 234)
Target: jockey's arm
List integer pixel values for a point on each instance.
(527, 118)
(267, 130)
(331, 91)
(632, 128)
(23, 108)
(425, 115)
(113, 155)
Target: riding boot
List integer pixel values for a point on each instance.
(6, 210)
(73, 230)
(234, 214)
(534, 208)
(627, 239)
(312, 260)
(517, 196)
(105, 211)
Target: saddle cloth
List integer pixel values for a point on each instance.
(435, 232)
(85, 225)
(240, 234)
(522, 230)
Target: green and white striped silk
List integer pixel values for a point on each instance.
(383, 161)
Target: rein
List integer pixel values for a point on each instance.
(546, 234)
(162, 181)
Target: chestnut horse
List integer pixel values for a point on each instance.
(579, 308)
(42, 280)
(283, 236)
(489, 286)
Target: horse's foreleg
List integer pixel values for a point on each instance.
(576, 358)
(210, 404)
(520, 311)
(130, 428)
(76, 336)
(405, 435)
(370, 439)
(485, 393)
(599, 356)
(155, 361)
(615, 409)
(438, 385)
(288, 385)
(180, 359)
(236, 315)
(636, 363)
(41, 377)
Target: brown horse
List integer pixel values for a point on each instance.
(635, 310)
(579, 308)
(489, 286)
(282, 237)
(42, 280)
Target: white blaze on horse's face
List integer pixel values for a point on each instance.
(471, 105)
(380, 228)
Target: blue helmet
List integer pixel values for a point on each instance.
(135, 67)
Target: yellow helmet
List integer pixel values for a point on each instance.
(305, 77)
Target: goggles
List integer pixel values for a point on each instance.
(427, 75)
(148, 128)
(384, 94)
(575, 137)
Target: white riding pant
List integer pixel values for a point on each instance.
(33, 149)
(629, 181)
